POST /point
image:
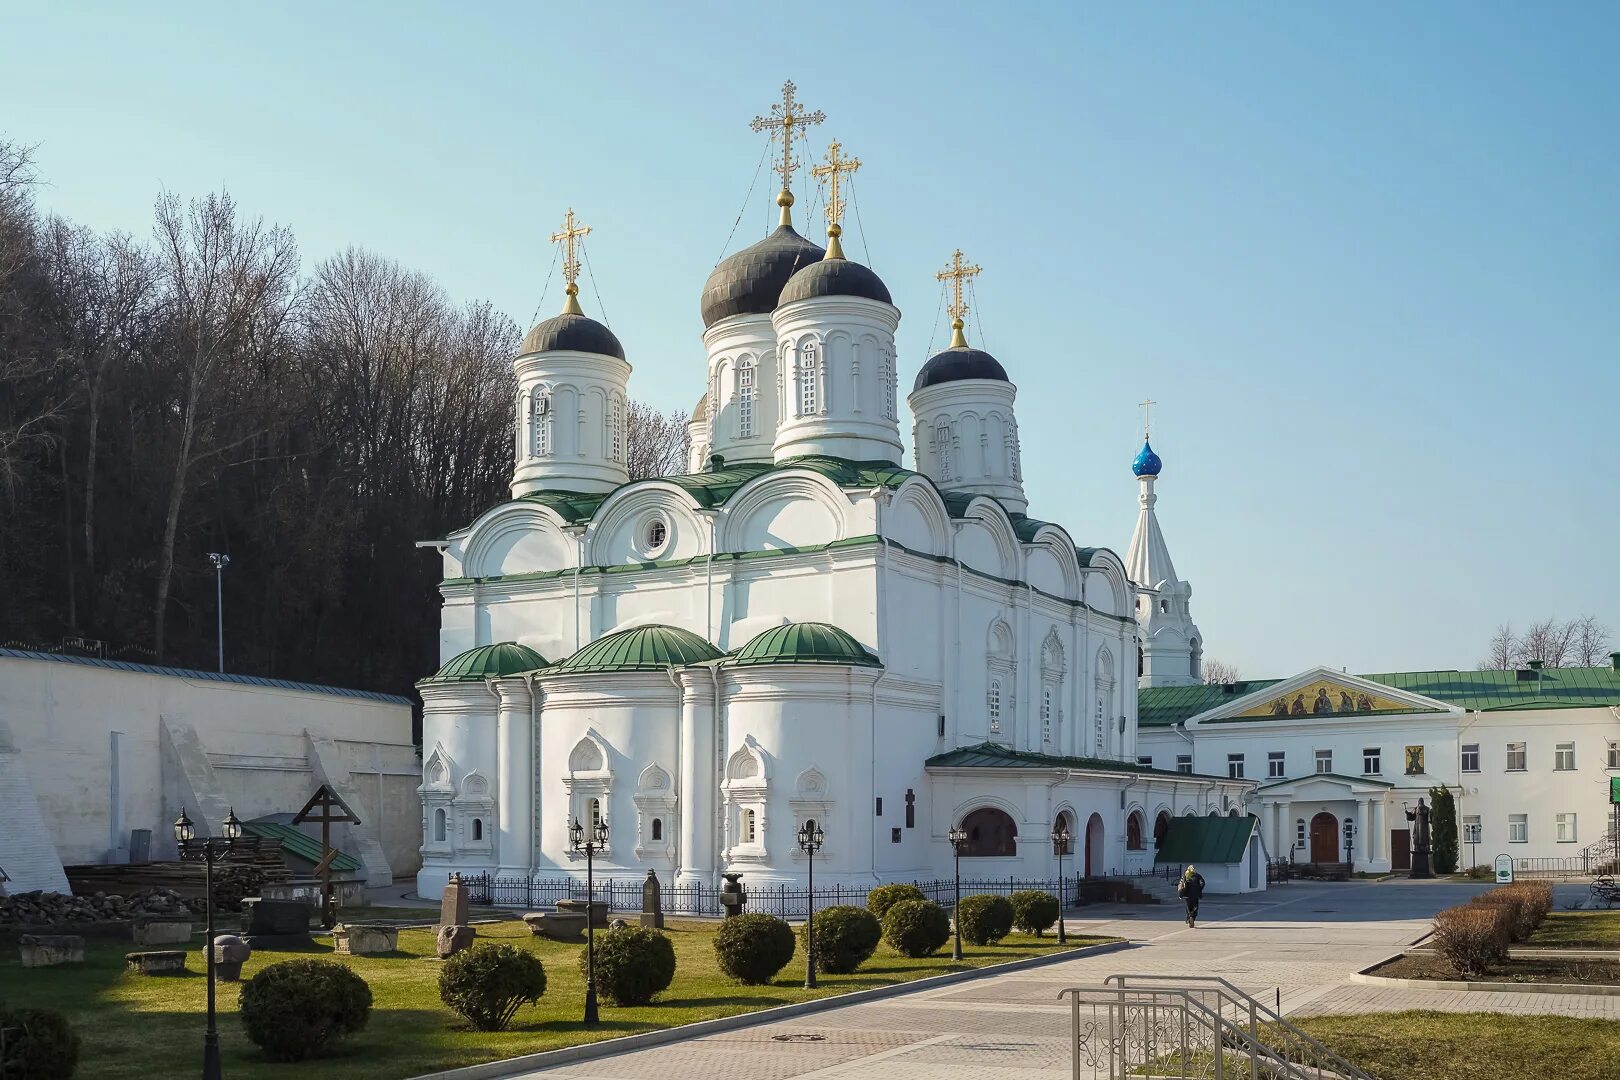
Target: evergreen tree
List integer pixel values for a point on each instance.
(1443, 830)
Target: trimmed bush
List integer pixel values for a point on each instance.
(1520, 917)
(294, 1008)
(1034, 910)
(753, 948)
(1472, 937)
(38, 1044)
(1537, 897)
(633, 964)
(984, 918)
(916, 927)
(487, 984)
(846, 937)
(884, 897)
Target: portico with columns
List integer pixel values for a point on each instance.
(1306, 817)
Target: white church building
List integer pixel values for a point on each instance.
(799, 629)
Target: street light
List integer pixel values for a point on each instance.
(208, 850)
(957, 836)
(1350, 844)
(810, 840)
(1060, 844)
(596, 841)
(220, 563)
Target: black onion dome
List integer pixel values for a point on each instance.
(750, 282)
(958, 364)
(571, 333)
(835, 277)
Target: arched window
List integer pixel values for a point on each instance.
(993, 704)
(596, 814)
(658, 828)
(942, 449)
(540, 422)
(616, 428)
(808, 396)
(478, 828)
(1046, 714)
(1014, 468)
(750, 827)
(990, 833)
(745, 399)
(438, 826)
(1133, 832)
(886, 382)
(1161, 826)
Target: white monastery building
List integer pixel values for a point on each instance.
(799, 629)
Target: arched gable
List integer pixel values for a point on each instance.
(1109, 590)
(518, 537)
(1053, 563)
(622, 529)
(986, 540)
(917, 518)
(590, 757)
(789, 508)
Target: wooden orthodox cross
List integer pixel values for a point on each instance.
(321, 807)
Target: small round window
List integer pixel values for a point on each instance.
(657, 533)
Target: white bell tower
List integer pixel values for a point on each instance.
(1172, 647)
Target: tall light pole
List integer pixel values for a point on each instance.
(596, 841)
(1060, 844)
(810, 840)
(208, 850)
(220, 562)
(957, 836)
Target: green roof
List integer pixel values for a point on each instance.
(1478, 691)
(640, 648)
(802, 643)
(1210, 840)
(293, 839)
(489, 662)
(989, 755)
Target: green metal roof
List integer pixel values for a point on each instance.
(802, 643)
(989, 755)
(640, 648)
(293, 839)
(1210, 840)
(488, 662)
(1479, 691)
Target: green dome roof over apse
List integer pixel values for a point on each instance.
(803, 643)
(640, 648)
(489, 662)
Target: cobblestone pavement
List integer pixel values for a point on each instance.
(1300, 941)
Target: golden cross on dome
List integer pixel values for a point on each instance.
(567, 236)
(1147, 417)
(956, 273)
(785, 116)
(835, 167)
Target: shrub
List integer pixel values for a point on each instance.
(984, 918)
(884, 897)
(1519, 914)
(753, 948)
(846, 937)
(916, 927)
(632, 965)
(38, 1044)
(1034, 910)
(1537, 898)
(293, 1008)
(1443, 829)
(487, 983)
(1472, 937)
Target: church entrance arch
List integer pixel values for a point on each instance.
(990, 832)
(1161, 825)
(1324, 838)
(1094, 845)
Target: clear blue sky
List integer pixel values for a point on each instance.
(1367, 257)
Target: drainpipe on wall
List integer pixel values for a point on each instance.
(680, 796)
(716, 824)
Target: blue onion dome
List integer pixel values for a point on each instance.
(572, 332)
(750, 282)
(835, 277)
(1147, 463)
(958, 363)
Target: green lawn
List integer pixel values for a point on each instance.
(1578, 930)
(146, 1027)
(1472, 1046)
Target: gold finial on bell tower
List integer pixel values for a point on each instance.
(785, 116)
(835, 167)
(568, 236)
(956, 273)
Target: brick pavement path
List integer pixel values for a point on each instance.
(1300, 940)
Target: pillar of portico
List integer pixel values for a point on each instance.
(1379, 837)
(1278, 848)
(1363, 833)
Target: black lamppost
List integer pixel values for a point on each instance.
(957, 836)
(597, 841)
(810, 840)
(1060, 844)
(208, 850)
(1350, 844)
(220, 562)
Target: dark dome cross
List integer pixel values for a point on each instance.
(567, 236)
(785, 116)
(956, 273)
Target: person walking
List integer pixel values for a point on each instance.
(1191, 890)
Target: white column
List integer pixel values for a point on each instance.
(1380, 836)
(514, 778)
(697, 788)
(1363, 837)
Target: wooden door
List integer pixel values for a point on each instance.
(1324, 838)
(1400, 849)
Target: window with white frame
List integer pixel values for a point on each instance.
(1299, 830)
(750, 826)
(1183, 763)
(1515, 757)
(808, 388)
(1566, 828)
(993, 705)
(1276, 764)
(942, 449)
(1234, 766)
(1046, 714)
(745, 399)
(1372, 760)
(1324, 761)
(1470, 757)
(1564, 757)
(1614, 754)
(1473, 830)
(886, 382)
(1518, 828)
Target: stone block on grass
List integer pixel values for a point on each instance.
(156, 961)
(230, 953)
(556, 925)
(452, 939)
(49, 950)
(364, 939)
(148, 931)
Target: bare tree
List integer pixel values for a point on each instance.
(1582, 642)
(1589, 642)
(1548, 641)
(657, 443)
(1504, 650)
(1219, 672)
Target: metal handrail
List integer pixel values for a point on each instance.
(1259, 1012)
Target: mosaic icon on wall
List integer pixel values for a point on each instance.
(1327, 699)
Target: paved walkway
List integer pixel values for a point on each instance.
(1301, 940)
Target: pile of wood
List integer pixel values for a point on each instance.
(250, 865)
